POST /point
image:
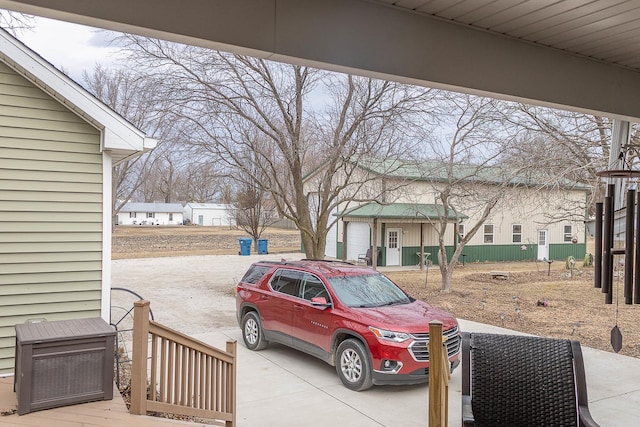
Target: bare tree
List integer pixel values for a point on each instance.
(567, 144)
(497, 149)
(572, 145)
(252, 211)
(274, 125)
(132, 95)
(201, 181)
(15, 22)
(470, 177)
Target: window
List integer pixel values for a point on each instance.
(542, 238)
(170, 217)
(254, 274)
(488, 233)
(312, 287)
(286, 281)
(460, 231)
(568, 233)
(132, 214)
(393, 239)
(516, 233)
(151, 215)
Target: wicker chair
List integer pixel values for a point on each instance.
(511, 380)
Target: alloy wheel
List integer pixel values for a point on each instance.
(351, 365)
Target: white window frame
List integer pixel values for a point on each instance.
(514, 233)
(461, 231)
(568, 236)
(486, 234)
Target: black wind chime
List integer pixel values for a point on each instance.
(609, 254)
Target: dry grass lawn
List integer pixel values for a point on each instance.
(574, 308)
(557, 305)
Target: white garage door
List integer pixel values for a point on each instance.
(358, 239)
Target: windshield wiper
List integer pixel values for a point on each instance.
(396, 302)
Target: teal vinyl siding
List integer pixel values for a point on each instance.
(51, 211)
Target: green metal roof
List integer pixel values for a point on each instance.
(436, 171)
(398, 211)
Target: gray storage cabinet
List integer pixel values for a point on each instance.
(63, 362)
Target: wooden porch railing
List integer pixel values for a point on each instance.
(439, 374)
(181, 375)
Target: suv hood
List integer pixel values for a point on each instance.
(411, 318)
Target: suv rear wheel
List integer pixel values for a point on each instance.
(353, 367)
(252, 332)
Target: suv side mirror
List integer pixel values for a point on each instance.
(320, 302)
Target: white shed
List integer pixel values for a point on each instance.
(210, 214)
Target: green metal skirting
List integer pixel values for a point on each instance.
(497, 253)
(486, 253)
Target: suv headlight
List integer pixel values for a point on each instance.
(383, 334)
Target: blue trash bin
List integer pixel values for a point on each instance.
(245, 246)
(263, 246)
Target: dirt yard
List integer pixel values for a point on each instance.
(161, 241)
(559, 304)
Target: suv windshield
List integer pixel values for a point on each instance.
(368, 290)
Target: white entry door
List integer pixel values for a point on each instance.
(543, 244)
(394, 246)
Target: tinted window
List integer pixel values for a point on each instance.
(287, 281)
(312, 287)
(254, 273)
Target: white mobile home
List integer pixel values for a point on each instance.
(150, 214)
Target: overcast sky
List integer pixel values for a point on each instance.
(71, 47)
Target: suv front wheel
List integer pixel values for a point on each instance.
(252, 332)
(353, 367)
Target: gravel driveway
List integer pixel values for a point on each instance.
(193, 294)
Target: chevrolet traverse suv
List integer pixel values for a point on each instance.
(350, 316)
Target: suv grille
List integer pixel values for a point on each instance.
(420, 351)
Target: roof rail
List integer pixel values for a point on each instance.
(339, 261)
(297, 262)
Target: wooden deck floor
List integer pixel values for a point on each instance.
(107, 413)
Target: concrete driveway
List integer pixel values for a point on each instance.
(280, 387)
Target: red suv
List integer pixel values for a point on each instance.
(352, 317)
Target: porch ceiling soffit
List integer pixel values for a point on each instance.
(556, 64)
